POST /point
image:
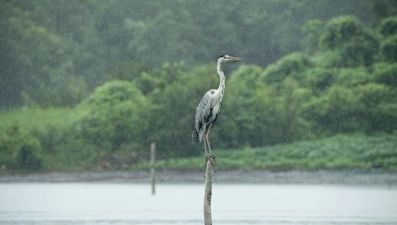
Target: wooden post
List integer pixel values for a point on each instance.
(209, 173)
(152, 166)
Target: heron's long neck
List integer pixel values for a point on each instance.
(221, 88)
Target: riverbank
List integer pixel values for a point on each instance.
(354, 152)
(373, 178)
(349, 152)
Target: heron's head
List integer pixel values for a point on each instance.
(227, 58)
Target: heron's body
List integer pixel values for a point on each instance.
(206, 114)
(209, 107)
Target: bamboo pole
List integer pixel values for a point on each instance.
(152, 166)
(209, 173)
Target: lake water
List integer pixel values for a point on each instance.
(103, 203)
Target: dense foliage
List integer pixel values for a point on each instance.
(341, 152)
(339, 76)
(54, 52)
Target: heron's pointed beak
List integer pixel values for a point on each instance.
(232, 58)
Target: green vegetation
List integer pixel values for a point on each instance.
(36, 118)
(35, 148)
(35, 139)
(58, 51)
(88, 85)
(341, 152)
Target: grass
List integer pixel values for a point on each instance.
(47, 131)
(37, 118)
(341, 152)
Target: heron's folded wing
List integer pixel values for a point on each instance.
(203, 109)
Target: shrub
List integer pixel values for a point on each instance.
(116, 114)
(292, 65)
(355, 44)
(386, 73)
(19, 149)
(336, 110)
(59, 91)
(388, 26)
(389, 49)
(27, 158)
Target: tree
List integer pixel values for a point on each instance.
(383, 8)
(336, 111)
(351, 40)
(116, 115)
(46, 43)
(388, 30)
(388, 27)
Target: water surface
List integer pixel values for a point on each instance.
(126, 203)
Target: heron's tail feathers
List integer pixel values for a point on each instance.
(195, 136)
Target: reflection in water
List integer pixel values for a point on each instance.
(107, 203)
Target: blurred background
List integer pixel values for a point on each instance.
(307, 133)
(88, 85)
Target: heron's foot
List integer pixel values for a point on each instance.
(206, 159)
(211, 158)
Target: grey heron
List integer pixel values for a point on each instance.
(209, 107)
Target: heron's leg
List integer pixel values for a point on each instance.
(208, 142)
(205, 147)
(208, 138)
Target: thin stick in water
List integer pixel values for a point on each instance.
(152, 166)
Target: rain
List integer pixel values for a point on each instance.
(99, 100)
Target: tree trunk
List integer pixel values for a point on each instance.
(209, 173)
